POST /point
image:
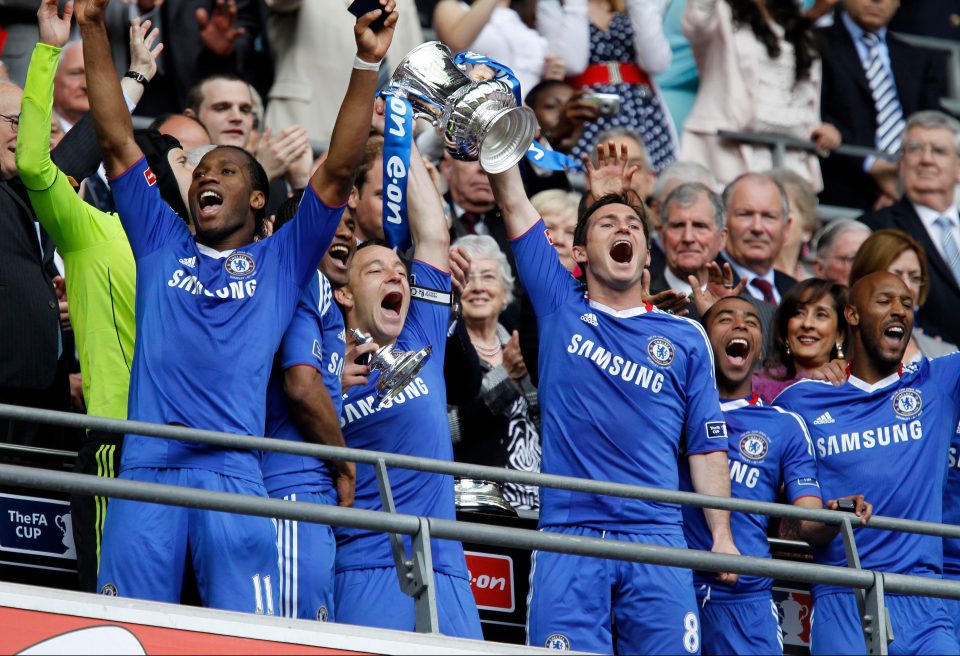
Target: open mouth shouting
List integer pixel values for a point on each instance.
(391, 305)
(894, 334)
(737, 351)
(622, 251)
(209, 202)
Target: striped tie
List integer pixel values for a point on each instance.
(890, 122)
(948, 245)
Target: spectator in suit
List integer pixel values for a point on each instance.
(903, 256)
(868, 73)
(693, 234)
(836, 246)
(676, 174)
(70, 86)
(758, 220)
(929, 172)
(939, 19)
(32, 371)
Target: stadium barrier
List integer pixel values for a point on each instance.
(415, 571)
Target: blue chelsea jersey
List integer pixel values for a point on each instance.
(767, 447)
(315, 338)
(890, 442)
(413, 423)
(208, 324)
(622, 395)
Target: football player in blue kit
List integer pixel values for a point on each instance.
(885, 432)
(303, 404)
(625, 392)
(378, 301)
(211, 311)
(768, 447)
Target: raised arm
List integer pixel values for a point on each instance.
(334, 179)
(519, 214)
(458, 27)
(107, 106)
(428, 225)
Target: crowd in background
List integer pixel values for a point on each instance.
(268, 76)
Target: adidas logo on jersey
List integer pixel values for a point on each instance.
(189, 261)
(589, 318)
(825, 418)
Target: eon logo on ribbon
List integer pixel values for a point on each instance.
(491, 579)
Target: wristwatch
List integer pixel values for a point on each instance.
(139, 77)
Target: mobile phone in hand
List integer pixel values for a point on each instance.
(846, 505)
(360, 7)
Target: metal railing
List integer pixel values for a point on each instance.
(415, 571)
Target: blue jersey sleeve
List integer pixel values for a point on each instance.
(799, 464)
(705, 427)
(303, 341)
(334, 343)
(946, 370)
(148, 221)
(547, 283)
(303, 240)
(429, 314)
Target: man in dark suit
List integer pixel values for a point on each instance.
(31, 343)
(758, 219)
(862, 63)
(929, 171)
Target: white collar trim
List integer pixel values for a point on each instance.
(861, 384)
(210, 252)
(621, 314)
(727, 406)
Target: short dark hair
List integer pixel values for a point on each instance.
(371, 152)
(533, 96)
(372, 242)
(261, 182)
(806, 291)
(195, 94)
(287, 209)
(583, 220)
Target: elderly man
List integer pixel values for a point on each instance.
(692, 232)
(758, 218)
(929, 171)
(70, 100)
(872, 80)
(836, 245)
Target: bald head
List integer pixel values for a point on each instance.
(185, 129)
(880, 315)
(70, 84)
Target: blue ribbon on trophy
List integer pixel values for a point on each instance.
(397, 144)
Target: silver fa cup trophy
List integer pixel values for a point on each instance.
(397, 368)
(478, 120)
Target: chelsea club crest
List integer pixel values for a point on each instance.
(754, 446)
(557, 642)
(661, 351)
(907, 402)
(240, 264)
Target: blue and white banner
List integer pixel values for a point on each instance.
(500, 72)
(551, 159)
(397, 142)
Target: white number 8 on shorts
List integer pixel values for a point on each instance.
(691, 633)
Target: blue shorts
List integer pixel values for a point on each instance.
(572, 598)
(372, 597)
(740, 627)
(921, 625)
(145, 546)
(307, 552)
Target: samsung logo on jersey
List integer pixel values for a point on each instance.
(882, 436)
(616, 366)
(368, 405)
(189, 283)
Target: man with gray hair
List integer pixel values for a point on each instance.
(929, 171)
(758, 218)
(693, 232)
(836, 245)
